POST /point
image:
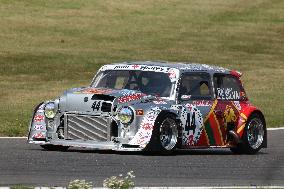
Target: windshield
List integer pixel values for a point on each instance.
(148, 82)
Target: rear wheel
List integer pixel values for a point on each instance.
(253, 137)
(54, 147)
(165, 135)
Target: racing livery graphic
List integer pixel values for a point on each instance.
(152, 106)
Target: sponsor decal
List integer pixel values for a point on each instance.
(150, 117)
(172, 73)
(40, 111)
(129, 98)
(238, 105)
(121, 67)
(147, 126)
(140, 67)
(135, 66)
(154, 68)
(39, 135)
(159, 101)
(175, 107)
(229, 115)
(144, 133)
(227, 94)
(185, 97)
(38, 127)
(139, 112)
(143, 138)
(202, 103)
(39, 118)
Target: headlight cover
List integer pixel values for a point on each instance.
(50, 110)
(125, 115)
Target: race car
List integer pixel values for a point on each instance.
(155, 107)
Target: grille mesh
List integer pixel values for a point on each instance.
(86, 127)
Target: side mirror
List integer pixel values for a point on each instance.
(185, 97)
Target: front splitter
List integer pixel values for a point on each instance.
(88, 144)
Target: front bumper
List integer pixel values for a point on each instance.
(109, 145)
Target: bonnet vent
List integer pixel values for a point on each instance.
(103, 97)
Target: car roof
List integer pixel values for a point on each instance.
(182, 66)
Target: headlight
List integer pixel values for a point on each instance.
(50, 110)
(125, 115)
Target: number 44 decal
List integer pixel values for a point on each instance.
(190, 123)
(96, 105)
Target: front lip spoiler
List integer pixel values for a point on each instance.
(88, 144)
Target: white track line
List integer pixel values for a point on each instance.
(276, 128)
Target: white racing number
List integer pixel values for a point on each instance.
(192, 123)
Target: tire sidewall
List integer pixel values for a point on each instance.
(246, 148)
(155, 143)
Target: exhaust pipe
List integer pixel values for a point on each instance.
(235, 136)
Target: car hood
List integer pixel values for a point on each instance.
(85, 99)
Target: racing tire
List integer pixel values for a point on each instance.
(54, 147)
(253, 137)
(164, 137)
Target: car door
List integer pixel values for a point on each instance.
(196, 98)
(228, 91)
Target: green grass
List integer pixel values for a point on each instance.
(47, 46)
(21, 187)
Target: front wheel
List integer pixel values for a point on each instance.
(54, 147)
(165, 135)
(253, 137)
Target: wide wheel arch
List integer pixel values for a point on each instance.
(248, 112)
(244, 147)
(265, 130)
(164, 114)
(33, 115)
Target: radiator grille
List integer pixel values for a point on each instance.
(86, 127)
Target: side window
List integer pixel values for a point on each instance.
(195, 86)
(227, 87)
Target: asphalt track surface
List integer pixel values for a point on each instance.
(29, 165)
